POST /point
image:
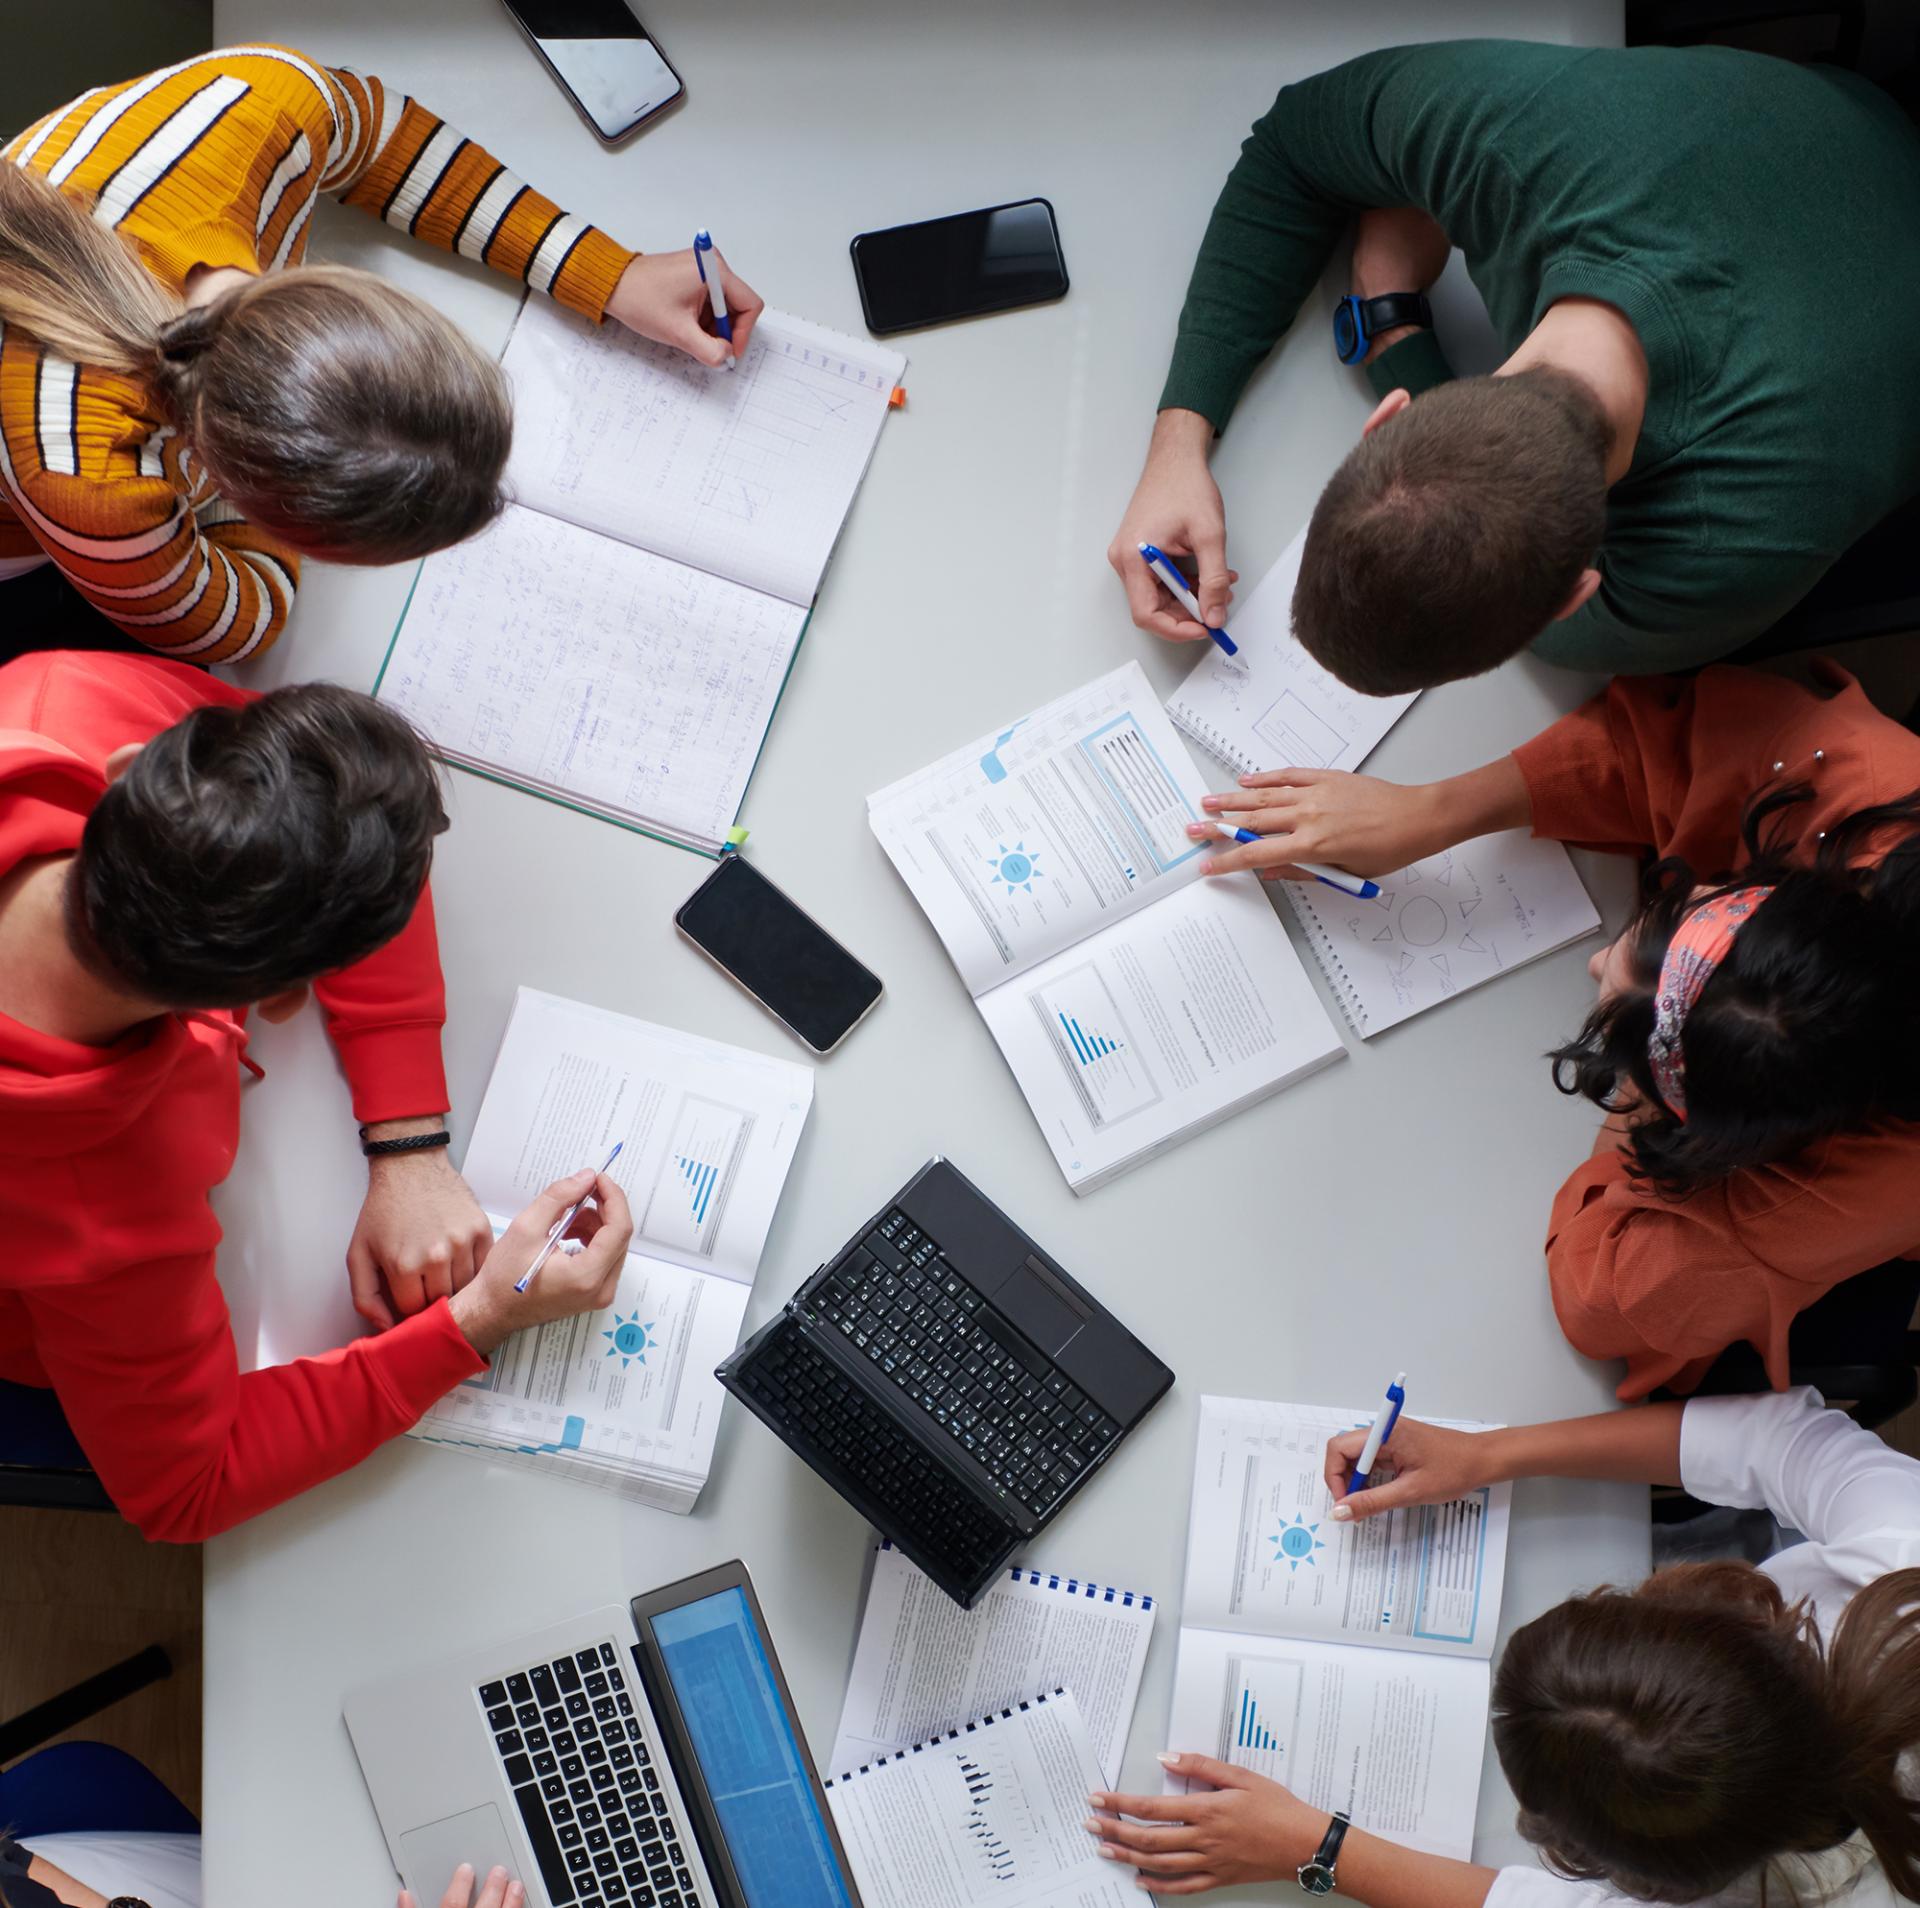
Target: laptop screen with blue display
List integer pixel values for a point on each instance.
(755, 1771)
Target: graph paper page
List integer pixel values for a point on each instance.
(707, 1132)
(1265, 1555)
(990, 1812)
(596, 671)
(747, 474)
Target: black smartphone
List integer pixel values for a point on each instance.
(784, 958)
(606, 61)
(959, 267)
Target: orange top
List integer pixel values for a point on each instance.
(219, 161)
(1668, 1284)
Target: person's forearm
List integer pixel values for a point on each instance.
(1641, 1446)
(1382, 1874)
(75, 1894)
(1481, 802)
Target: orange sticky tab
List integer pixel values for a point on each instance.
(896, 397)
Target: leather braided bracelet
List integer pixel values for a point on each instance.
(413, 1143)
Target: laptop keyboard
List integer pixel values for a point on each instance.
(802, 1389)
(575, 1756)
(928, 1331)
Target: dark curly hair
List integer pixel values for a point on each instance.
(247, 850)
(1808, 1027)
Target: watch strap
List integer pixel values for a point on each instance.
(1317, 1876)
(411, 1143)
(1394, 309)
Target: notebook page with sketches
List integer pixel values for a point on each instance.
(594, 672)
(1272, 706)
(988, 1811)
(746, 474)
(923, 1662)
(625, 1398)
(1442, 925)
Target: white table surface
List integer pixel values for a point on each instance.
(1388, 1212)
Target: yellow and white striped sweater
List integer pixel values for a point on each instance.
(218, 162)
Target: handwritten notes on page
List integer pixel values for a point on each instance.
(1272, 706)
(594, 672)
(748, 474)
(1442, 925)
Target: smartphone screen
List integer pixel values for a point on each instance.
(958, 267)
(604, 57)
(779, 954)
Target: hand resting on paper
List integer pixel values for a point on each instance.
(660, 296)
(489, 1311)
(1247, 1829)
(1359, 822)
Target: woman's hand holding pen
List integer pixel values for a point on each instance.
(1423, 1464)
(489, 1311)
(662, 296)
(1359, 822)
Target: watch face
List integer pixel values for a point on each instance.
(1316, 1878)
(1346, 331)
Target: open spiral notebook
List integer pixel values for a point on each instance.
(1272, 706)
(1441, 926)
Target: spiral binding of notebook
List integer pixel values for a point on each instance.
(1213, 740)
(1071, 1586)
(1326, 956)
(948, 1735)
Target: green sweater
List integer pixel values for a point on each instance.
(1757, 222)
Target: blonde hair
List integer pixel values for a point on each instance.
(331, 409)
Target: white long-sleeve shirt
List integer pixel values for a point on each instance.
(1859, 1504)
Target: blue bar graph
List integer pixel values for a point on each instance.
(700, 1176)
(571, 1433)
(1087, 1047)
(1253, 1733)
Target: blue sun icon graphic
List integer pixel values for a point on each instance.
(628, 1340)
(1297, 1542)
(1015, 866)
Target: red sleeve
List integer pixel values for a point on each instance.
(1668, 762)
(144, 1365)
(385, 1015)
(1669, 1284)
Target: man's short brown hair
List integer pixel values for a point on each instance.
(1452, 533)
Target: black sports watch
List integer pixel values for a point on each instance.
(1316, 1874)
(1358, 321)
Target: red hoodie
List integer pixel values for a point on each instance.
(107, 1155)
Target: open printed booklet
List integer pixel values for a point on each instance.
(990, 1810)
(626, 1398)
(1136, 1003)
(1347, 1661)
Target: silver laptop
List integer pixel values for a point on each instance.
(645, 1755)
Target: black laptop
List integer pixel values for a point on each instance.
(948, 1379)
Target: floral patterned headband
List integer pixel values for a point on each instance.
(1698, 947)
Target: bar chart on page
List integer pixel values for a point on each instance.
(1261, 1719)
(1087, 1032)
(696, 1174)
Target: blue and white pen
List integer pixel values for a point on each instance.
(1356, 885)
(1162, 566)
(716, 292)
(1381, 1432)
(560, 1226)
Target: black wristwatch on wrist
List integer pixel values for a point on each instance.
(1358, 321)
(1315, 1874)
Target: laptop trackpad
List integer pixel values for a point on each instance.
(428, 1856)
(1041, 1306)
